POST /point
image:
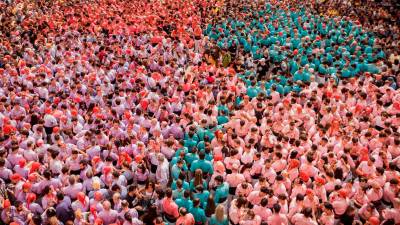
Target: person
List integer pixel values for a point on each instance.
(203, 164)
(198, 212)
(108, 215)
(150, 215)
(63, 208)
(327, 216)
(277, 217)
(391, 214)
(209, 206)
(234, 179)
(185, 218)
(221, 191)
(197, 180)
(170, 208)
(219, 218)
(185, 201)
(262, 210)
(162, 172)
(179, 191)
(306, 216)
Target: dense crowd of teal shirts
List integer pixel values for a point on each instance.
(342, 41)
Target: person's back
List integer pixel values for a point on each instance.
(277, 218)
(222, 191)
(170, 207)
(63, 210)
(234, 179)
(73, 188)
(185, 201)
(149, 215)
(215, 221)
(198, 213)
(108, 215)
(219, 218)
(185, 218)
(300, 219)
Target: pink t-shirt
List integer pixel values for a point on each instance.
(188, 219)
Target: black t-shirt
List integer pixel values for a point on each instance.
(130, 200)
(262, 70)
(148, 219)
(346, 219)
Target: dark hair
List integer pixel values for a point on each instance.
(338, 173)
(219, 178)
(46, 190)
(299, 197)
(50, 212)
(150, 214)
(210, 209)
(131, 188)
(328, 205)
(202, 155)
(168, 193)
(196, 202)
(276, 208)
(307, 212)
(37, 219)
(60, 196)
(264, 202)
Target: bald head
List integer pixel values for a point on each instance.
(106, 205)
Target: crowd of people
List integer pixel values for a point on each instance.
(196, 112)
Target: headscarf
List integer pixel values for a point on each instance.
(81, 197)
(31, 197)
(107, 170)
(27, 185)
(22, 163)
(34, 167)
(15, 177)
(294, 164)
(93, 211)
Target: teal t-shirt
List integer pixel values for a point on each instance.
(190, 143)
(190, 157)
(201, 145)
(192, 186)
(202, 196)
(178, 193)
(252, 92)
(221, 192)
(186, 203)
(204, 165)
(214, 221)
(178, 152)
(185, 185)
(222, 120)
(199, 215)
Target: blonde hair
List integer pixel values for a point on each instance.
(53, 220)
(78, 213)
(96, 184)
(220, 213)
